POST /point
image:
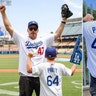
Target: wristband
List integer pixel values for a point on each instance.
(63, 22)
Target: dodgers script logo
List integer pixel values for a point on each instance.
(35, 45)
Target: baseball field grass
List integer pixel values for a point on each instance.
(72, 86)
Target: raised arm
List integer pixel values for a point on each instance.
(65, 13)
(73, 68)
(7, 23)
(29, 64)
(60, 29)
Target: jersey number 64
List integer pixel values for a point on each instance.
(51, 80)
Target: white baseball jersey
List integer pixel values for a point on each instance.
(25, 45)
(51, 78)
(89, 32)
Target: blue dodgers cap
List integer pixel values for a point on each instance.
(50, 52)
(32, 23)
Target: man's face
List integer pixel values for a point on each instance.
(32, 31)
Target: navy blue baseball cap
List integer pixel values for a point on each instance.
(32, 23)
(50, 52)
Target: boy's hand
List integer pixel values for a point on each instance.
(31, 54)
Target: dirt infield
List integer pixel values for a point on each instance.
(15, 70)
(9, 56)
(8, 70)
(16, 56)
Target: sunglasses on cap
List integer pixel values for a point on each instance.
(35, 29)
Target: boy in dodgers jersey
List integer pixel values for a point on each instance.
(50, 73)
(27, 81)
(89, 32)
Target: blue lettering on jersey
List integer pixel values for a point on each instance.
(35, 45)
(94, 29)
(52, 70)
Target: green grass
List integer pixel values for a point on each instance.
(71, 89)
(8, 77)
(68, 88)
(8, 63)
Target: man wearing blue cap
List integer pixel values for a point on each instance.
(29, 82)
(50, 73)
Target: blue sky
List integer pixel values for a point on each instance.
(91, 2)
(46, 13)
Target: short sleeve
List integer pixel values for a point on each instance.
(36, 70)
(49, 40)
(66, 71)
(17, 37)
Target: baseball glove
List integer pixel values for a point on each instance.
(65, 12)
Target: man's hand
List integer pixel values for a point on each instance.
(2, 8)
(88, 17)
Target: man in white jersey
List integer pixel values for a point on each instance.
(50, 73)
(27, 81)
(89, 32)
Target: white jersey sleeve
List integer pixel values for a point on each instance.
(37, 70)
(17, 37)
(65, 71)
(49, 40)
